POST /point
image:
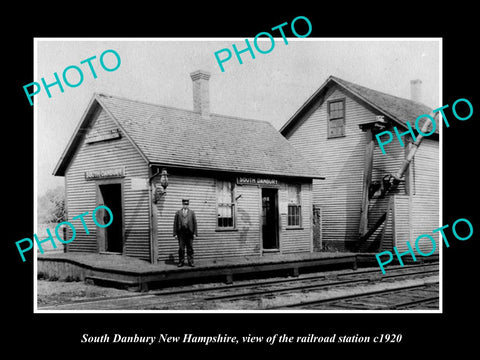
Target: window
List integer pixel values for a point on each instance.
(294, 206)
(225, 205)
(336, 118)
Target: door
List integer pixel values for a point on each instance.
(110, 239)
(270, 219)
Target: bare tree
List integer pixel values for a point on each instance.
(51, 206)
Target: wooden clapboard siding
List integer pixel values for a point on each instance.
(425, 193)
(402, 224)
(81, 194)
(417, 213)
(341, 160)
(297, 240)
(211, 243)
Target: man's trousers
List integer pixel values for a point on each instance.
(185, 241)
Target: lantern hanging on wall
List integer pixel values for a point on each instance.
(160, 189)
(164, 179)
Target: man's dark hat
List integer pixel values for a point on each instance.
(185, 201)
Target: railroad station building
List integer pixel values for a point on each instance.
(335, 130)
(250, 188)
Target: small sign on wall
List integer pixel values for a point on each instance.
(95, 136)
(105, 173)
(283, 207)
(139, 184)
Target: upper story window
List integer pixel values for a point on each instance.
(336, 118)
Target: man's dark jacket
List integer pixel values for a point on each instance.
(191, 222)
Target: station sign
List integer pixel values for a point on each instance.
(245, 180)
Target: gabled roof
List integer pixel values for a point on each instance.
(398, 109)
(182, 138)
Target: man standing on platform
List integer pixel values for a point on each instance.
(185, 230)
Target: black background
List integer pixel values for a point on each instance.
(59, 335)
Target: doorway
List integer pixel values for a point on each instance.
(270, 219)
(110, 238)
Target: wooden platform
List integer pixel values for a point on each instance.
(139, 275)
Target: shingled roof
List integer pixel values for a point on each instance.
(399, 110)
(183, 138)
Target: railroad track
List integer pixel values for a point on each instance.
(424, 296)
(221, 296)
(354, 279)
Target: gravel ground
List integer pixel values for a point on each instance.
(59, 292)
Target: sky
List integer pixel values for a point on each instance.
(270, 87)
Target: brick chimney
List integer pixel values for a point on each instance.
(416, 90)
(201, 97)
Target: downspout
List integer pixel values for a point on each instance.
(153, 217)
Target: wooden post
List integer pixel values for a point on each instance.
(367, 180)
(407, 171)
(295, 272)
(153, 220)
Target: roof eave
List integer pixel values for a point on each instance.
(286, 127)
(236, 171)
(373, 105)
(304, 107)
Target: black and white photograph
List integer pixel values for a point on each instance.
(222, 179)
(177, 184)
